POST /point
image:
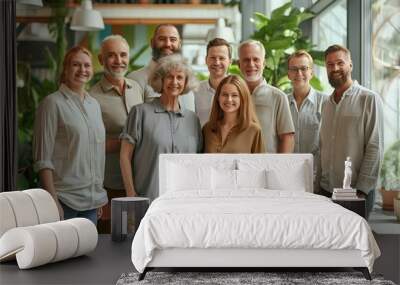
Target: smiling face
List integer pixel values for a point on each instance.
(229, 99)
(174, 83)
(115, 58)
(300, 72)
(166, 41)
(218, 61)
(251, 62)
(79, 70)
(338, 66)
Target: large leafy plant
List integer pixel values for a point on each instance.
(281, 35)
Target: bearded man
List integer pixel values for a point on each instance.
(116, 95)
(352, 125)
(165, 41)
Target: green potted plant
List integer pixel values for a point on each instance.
(281, 35)
(390, 178)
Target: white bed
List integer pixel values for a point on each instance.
(231, 210)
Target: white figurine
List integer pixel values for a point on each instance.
(347, 173)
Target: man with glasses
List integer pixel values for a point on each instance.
(305, 103)
(352, 126)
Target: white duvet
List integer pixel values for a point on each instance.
(252, 218)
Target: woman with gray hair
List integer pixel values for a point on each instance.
(160, 126)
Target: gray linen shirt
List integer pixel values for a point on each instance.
(307, 121)
(153, 130)
(114, 109)
(203, 99)
(141, 76)
(69, 138)
(353, 127)
(273, 112)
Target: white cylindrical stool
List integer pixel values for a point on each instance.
(126, 214)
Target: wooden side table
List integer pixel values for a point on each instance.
(356, 205)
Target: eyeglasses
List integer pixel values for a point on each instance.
(296, 69)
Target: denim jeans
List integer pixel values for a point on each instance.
(70, 213)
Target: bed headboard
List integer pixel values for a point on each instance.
(289, 167)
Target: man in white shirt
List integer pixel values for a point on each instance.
(271, 104)
(352, 126)
(218, 59)
(165, 41)
(305, 103)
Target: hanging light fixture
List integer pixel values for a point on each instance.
(221, 31)
(86, 19)
(37, 3)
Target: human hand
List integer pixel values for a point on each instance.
(99, 213)
(60, 209)
(131, 193)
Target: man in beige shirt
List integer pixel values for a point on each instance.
(116, 95)
(272, 106)
(351, 126)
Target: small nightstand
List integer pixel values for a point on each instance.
(356, 205)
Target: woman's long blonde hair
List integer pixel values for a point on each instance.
(247, 114)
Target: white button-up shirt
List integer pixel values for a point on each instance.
(307, 121)
(353, 127)
(203, 99)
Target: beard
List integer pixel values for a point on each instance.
(158, 53)
(253, 78)
(337, 81)
(115, 74)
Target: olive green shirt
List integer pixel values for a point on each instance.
(353, 127)
(249, 140)
(69, 138)
(273, 112)
(114, 109)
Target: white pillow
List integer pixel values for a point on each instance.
(224, 179)
(251, 178)
(188, 177)
(291, 178)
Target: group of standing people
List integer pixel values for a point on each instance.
(92, 147)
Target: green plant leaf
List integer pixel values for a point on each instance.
(260, 20)
(304, 16)
(284, 43)
(282, 10)
(316, 83)
(318, 57)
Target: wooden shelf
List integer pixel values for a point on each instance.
(147, 14)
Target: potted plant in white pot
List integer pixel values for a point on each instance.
(390, 175)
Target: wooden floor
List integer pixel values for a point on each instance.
(102, 266)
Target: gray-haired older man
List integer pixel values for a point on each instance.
(165, 41)
(116, 95)
(271, 104)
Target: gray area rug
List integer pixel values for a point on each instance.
(232, 278)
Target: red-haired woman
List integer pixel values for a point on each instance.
(69, 142)
(233, 126)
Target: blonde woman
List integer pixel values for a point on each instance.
(69, 142)
(233, 126)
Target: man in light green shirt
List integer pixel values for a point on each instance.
(116, 95)
(352, 125)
